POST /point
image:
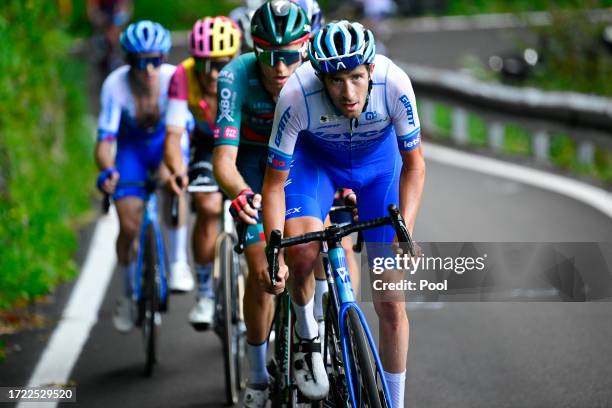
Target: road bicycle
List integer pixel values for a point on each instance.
(149, 283)
(353, 364)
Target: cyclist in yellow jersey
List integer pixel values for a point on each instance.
(213, 42)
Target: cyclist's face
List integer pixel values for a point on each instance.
(349, 89)
(275, 76)
(146, 67)
(207, 70)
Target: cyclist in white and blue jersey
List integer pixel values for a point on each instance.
(133, 101)
(348, 119)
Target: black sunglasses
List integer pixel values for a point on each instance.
(207, 65)
(142, 63)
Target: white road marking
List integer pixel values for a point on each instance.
(81, 312)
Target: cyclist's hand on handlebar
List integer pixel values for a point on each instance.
(397, 249)
(350, 198)
(281, 279)
(177, 183)
(244, 206)
(107, 180)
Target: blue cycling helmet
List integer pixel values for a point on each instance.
(341, 45)
(145, 37)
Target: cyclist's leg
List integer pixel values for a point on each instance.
(390, 307)
(181, 278)
(129, 204)
(258, 308)
(208, 208)
(258, 314)
(307, 204)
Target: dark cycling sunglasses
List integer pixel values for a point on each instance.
(208, 65)
(142, 63)
(271, 57)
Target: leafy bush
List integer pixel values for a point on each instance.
(45, 150)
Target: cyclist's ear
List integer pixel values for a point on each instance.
(370, 70)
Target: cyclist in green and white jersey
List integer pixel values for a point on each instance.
(248, 88)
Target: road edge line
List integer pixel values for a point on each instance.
(81, 312)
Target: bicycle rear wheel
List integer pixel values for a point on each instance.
(150, 300)
(367, 381)
(231, 331)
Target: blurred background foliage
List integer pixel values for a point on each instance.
(45, 150)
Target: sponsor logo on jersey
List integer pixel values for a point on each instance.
(371, 115)
(216, 132)
(281, 126)
(409, 112)
(294, 210)
(225, 105)
(226, 76)
(328, 126)
(411, 144)
(230, 132)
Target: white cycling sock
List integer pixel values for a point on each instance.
(128, 276)
(256, 356)
(177, 244)
(320, 290)
(305, 323)
(396, 383)
(205, 286)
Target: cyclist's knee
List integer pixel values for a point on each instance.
(391, 313)
(128, 228)
(302, 258)
(208, 205)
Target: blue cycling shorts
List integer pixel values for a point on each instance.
(136, 157)
(314, 178)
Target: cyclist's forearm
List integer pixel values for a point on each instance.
(172, 150)
(104, 155)
(226, 173)
(412, 180)
(273, 194)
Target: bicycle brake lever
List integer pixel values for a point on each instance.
(272, 255)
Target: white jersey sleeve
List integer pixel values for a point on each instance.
(290, 118)
(402, 108)
(111, 105)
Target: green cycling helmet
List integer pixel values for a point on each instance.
(280, 22)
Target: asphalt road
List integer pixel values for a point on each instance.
(461, 354)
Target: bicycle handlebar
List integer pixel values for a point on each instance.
(336, 233)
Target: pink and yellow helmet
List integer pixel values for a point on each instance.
(213, 37)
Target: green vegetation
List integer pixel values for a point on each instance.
(442, 116)
(174, 15)
(46, 168)
(477, 130)
(517, 140)
(462, 7)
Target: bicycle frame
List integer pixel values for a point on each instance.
(344, 299)
(150, 218)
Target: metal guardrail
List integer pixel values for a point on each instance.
(586, 119)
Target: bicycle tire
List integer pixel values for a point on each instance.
(150, 291)
(339, 394)
(225, 257)
(360, 349)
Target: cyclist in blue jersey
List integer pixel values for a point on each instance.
(134, 98)
(348, 119)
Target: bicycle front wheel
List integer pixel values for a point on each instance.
(150, 285)
(228, 306)
(367, 381)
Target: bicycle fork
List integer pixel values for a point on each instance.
(344, 297)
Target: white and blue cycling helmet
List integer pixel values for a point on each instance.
(341, 45)
(145, 37)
